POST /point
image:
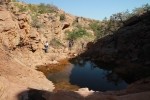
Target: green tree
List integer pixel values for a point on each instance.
(43, 8)
(138, 11)
(76, 33)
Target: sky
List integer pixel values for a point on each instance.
(94, 9)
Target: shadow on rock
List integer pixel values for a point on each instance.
(34, 94)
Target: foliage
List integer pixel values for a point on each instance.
(120, 17)
(35, 22)
(141, 10)
(22, 8)
(78, 26)
(109, 26)
(76, 33)
(62, 17)
(94, 26)
(46, 8)
(42, 8)
(98, 29)
(15, 0)
(56, 43)
(33, 8)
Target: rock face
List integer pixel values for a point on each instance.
(5, 1)
(131, 43)
(24, 33)
(16, 77)
(9, 35)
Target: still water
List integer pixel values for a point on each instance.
(87, 74)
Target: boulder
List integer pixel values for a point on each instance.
(24, 17)
(5, 15)
(33, 33)
(85, 92)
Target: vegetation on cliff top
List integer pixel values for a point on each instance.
(110, 25)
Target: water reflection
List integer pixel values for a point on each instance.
(87, 74)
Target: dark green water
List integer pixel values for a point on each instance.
(87, 74)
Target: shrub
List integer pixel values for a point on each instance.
(22, 8)
(98, 29)
(76, 33)
(42, 8)
(33, 8)
(35, 22)
(94, 26)
(15, 0)
(141, 10)
(62, 17)
(56, 43)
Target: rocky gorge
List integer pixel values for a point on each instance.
(22, 37)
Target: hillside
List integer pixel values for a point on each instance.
(26, 27)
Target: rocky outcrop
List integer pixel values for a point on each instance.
(9, 30)
(16, 77)
(130, 43)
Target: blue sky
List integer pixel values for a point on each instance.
(95, 9)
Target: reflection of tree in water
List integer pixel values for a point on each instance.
(113, 77)
(108, 73)
(82, 63)
(93, 66)
(86, 73)
(78, 62)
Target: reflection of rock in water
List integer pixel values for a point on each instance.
(113, 77)
(133, 72)
(65, 85)
(87, 74)
(61, 75)
(61, 79)
(53, 68)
